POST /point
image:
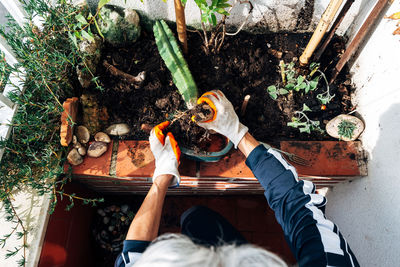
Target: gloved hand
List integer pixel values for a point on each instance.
(225, 121)
(166, 153)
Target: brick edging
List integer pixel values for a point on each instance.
(128, 166)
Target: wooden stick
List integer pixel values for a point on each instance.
(361, 34)
(181, 24)
(119, 73)
(319, 32)
(333, 29)
(244, 105)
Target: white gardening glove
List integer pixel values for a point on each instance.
(166, 153)
(225, 121)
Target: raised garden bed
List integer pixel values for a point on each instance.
(246, 65)
(285, 103)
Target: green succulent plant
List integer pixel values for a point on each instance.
(176, 63)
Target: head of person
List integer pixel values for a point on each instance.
(177, 250)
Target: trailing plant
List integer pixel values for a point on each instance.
(301, 121)
(209, 23)
(346, 129)
(173, 58)
(33, 158)
(274, 92)
(4, 70)
(325, 97)
(292, 81)
(82, 30)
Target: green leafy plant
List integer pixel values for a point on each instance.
(346, 129)
(303, 122)
(4, 70)
(274, 92)
(325, 97)
(33, 158)
(208, 12)
(82, 30)
(291, 81)
(173, 58)
(214, 31)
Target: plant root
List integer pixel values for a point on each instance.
(136, 81)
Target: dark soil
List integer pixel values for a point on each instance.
(246, 65)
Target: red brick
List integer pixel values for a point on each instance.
(94, 166)
(135, 159)
(328, 158)
(67, 117)
(232, 165)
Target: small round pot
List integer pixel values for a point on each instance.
(205, 156)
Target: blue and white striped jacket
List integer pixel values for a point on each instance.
(314, 240)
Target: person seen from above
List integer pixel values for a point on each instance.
(208, 239)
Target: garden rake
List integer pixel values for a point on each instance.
(290, 156)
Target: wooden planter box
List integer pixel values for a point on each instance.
(127, 167)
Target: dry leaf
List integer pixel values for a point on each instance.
(394, 16)
(397, 31)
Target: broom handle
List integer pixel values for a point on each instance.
(319, 32)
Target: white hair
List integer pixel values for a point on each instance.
(177, 250)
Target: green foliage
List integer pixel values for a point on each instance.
(208, 12)
(303, 123)
(173, 58)
(298, 83)
(346, 129)
(4, 70)
(275, 92)
(33, 158)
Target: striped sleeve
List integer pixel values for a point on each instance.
(313, 239)
(131, 252)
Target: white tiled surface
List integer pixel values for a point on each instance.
(367, 209)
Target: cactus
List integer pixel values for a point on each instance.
(173, 58)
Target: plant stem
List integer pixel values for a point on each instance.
(19, 221)
(282, 67)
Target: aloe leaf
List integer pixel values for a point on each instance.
(173, 58)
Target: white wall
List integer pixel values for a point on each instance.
(367, 210)
(268, 15)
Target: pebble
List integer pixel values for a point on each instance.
(106, 220)
(102, 137)
(82, 134)
(96, 149)
(124, 208)
(74, 158)
(101, 212)
(118, 129)
(82, 151)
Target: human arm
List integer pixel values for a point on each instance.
(147, 220)
(144, 227)
(314, 240)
